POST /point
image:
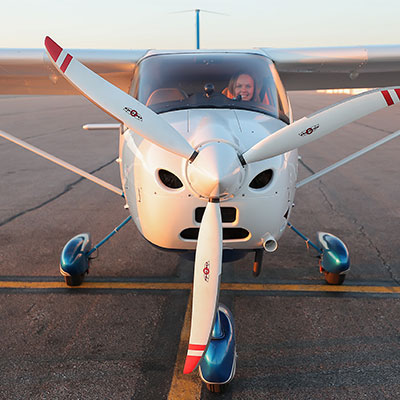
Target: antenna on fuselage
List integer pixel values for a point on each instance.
(197, 12)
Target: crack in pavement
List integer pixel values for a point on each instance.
(372, 127)
(384, 263)
(66, 190)
(325, 196)
(362, 231)
(309, 169)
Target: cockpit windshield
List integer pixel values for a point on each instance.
(168, 82)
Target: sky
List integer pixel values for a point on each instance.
(144, 24)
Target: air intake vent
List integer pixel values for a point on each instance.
(228, 214)
(262, 179)
(227, 233)
(170, 180)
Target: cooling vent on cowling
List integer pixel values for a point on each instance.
(228, 214)
(261, 180)
(169, 179)
(227, 233)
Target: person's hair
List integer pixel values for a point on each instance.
(232, 83)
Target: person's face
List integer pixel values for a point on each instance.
(245, 87)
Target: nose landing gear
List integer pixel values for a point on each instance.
(218, 365)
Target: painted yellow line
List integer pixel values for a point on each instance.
(310, 288)
(96, 285)
(184, 386)
(262, 287)
(31, 285)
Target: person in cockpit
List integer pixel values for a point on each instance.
(241, 86)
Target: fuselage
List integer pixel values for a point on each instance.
(161, 195)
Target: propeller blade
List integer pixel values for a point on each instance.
(119, 104)
(319, 124)
(207, 271)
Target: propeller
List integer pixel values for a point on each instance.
(207, 272)
(119, 104)
(319, 124)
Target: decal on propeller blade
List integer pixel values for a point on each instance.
(133, 113)
(66, 62)
(309, 130)
(206, 271)
(388, 97)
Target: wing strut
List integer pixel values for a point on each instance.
(348, 159)
(60, 162)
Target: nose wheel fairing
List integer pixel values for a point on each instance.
(219, 362)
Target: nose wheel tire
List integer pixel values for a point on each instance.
(216, 387)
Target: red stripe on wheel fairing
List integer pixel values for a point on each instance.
(66, 62)
(387, 97)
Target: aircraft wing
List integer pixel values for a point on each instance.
(29, 71)
(337, 67)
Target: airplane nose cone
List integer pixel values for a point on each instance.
(216, 172)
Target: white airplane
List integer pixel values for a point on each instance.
(208, 154)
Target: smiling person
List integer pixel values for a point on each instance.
(242, 84)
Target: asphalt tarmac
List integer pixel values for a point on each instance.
(124, 333)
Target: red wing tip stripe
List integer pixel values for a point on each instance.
(398, 93)
(190, 364)
(197, 346)
(388, 97)
(66, 62)
(53, 48)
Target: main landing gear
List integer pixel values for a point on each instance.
(75, 257)
(334, 258)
